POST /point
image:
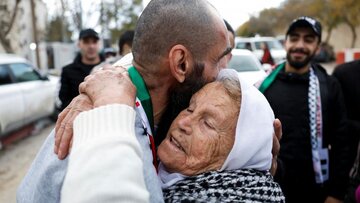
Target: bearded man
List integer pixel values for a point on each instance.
(172, 60)
(310, 105)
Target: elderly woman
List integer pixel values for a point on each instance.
(216, 150)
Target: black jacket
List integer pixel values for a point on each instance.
(288, 96)
(348, 75)
(71, 77)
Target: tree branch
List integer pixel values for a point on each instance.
(12, 20)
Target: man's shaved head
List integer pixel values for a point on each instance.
(165, 23)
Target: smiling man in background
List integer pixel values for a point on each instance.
(310, 105)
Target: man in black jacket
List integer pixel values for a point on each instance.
(348, 74)
(310, 105)
(73, 74)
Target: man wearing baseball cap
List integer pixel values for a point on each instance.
(310, 105)
(73, 74)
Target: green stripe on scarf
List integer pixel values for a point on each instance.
(142, 94)
(270, 78)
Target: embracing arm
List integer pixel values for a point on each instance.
(276, 166)
(86, 100)
(105, 163)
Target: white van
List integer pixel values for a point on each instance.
(254, 44)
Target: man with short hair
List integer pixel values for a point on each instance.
(172, 60)
(231, 34)
(73, 74)
(125, 42)
(310, 105)
(109, 53)
(348, 75)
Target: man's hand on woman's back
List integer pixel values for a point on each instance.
(276, 145)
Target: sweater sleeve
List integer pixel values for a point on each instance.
(105, 163)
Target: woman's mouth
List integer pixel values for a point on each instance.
(176, 143)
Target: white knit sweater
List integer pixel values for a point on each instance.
(104, 139)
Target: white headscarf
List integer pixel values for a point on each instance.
(254, 134)
(254, 131)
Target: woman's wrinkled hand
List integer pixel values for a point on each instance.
(64, 124)
(108, 85)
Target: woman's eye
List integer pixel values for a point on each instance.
(209, 125)
(189, 110)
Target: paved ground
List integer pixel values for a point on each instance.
(15, 160)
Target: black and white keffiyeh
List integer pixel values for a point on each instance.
(241, 185)
(315, 117)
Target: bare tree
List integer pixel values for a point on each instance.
(350, 10)
(75, 11)
(77, 14)
(116, 16)
(6, 25)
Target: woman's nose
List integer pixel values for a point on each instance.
(185, 124)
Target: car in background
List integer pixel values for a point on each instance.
(281, 39)
(254, 44)
(247, 65)
(25, 94)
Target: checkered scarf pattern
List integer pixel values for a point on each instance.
(315, 123)
(241, 185)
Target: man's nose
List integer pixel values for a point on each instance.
(92, 45)
(300, 43)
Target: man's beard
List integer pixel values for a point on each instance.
(179, 100)
(181, 95)
(299, 64)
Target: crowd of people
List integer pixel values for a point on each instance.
(176, 126)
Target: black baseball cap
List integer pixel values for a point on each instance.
(305, 21)
(88, 33)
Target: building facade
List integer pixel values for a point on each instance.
(20, 39)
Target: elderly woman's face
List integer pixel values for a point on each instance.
(201, 136)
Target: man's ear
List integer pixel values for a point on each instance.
(179, 61)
